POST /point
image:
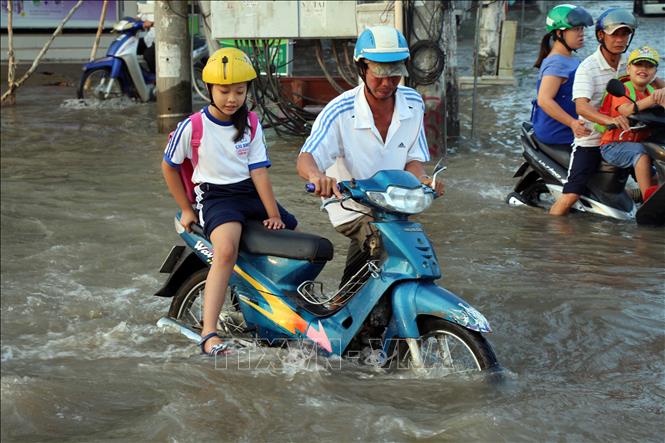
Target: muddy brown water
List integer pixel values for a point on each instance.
(576, 304)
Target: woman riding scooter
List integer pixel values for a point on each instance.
(553, 114)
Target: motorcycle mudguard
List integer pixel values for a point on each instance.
(180, 264)
(521, 170)
(113, 64)
(413, 298)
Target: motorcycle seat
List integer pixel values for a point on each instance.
(561, 153)
(257, 239)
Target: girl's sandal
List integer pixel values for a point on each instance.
(218, 349)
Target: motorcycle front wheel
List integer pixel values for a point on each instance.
(187, 307)
(445, 348)
(98, 84)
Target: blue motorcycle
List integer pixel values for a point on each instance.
(121, 72)
(390, 310)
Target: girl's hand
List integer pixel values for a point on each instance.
(579, 129)
(274, 223)
(187, 218)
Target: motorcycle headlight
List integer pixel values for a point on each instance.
(409, 201)
(122, 25)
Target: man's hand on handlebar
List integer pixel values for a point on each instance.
(324, 186)
(439, 187)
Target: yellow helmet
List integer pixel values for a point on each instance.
(644, 53)
(227, 66)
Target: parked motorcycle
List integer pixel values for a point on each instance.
(121, 72)
(391, 307)
(545, 168)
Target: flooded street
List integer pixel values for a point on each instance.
(577, 304)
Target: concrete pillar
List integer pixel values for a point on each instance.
(449, 43)
(174, 87)
(204, 8)
(492, 14)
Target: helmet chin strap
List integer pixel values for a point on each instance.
(363, 74)
(559, 37)
(212, 100)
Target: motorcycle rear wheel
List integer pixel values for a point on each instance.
(531, 195)
(187, 307)
(447, 348)
(95, 83)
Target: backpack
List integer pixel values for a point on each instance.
(187, 166)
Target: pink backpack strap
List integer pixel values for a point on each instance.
(197, 133)
(254, 124)
(187, 166)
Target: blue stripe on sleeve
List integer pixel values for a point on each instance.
(263, 164)
(422, 142)
(176, 137)
(326, 120)
(315, 143)
(171, 164)
(169, 146)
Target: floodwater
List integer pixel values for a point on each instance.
(576, 304)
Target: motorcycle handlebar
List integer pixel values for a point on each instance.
(197, 229)
(311, 187)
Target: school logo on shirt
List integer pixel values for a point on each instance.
(242, 147)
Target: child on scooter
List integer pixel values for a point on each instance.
(622, 148)
(231, 176)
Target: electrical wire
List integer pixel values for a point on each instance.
(417, 74)
(341, 67)
(277, 106)
(424, 44)
(319, 57)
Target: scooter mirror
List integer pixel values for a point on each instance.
(615, 87)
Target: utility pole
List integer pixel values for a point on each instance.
(433, 40)
(449, 76)
(492, 15)
(174, 60)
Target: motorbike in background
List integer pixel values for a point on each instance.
(390, 310)
(122, 73)
(541, 175)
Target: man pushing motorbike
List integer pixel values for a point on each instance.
(376, 126)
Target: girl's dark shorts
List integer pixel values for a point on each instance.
(237, 202)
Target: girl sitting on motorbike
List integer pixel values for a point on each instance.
(231, 176)
(553, 114)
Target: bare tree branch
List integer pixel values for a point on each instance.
(47, 45)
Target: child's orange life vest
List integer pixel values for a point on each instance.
(609, 107)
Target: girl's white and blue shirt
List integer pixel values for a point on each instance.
(346, 144)
(221, 160)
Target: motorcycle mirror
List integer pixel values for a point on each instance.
(615, 87)
(437, 169)
(438, 166)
